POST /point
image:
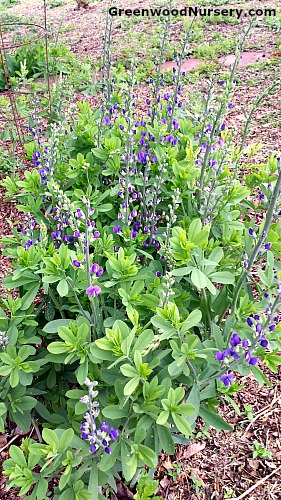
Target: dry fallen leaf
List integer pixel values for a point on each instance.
(192, 449)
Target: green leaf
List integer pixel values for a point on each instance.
(186, 409)
(131, 386)
(192, 320)
(143, 341)
(14, 377)
(214, 420)
(66, 439)
(17, 456)
(53, 326)
(127, 468)
(29, 297)
(194, 229)
(200, 280)
(222, 277)
(108, 461)
(163, 417)
(62, 288)
(50, 437)
(165, 440)
(182, 425)
(148, 455)
(129, 371)
(113, 412)
(58, 348)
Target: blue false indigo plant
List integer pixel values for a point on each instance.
(134, 275)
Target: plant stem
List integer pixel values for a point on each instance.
(56, 302)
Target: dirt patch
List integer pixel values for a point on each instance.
(186, 66)
(246, 58)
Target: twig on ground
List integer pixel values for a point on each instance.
(252, 488)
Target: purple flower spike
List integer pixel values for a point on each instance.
(227, 379)
(249, 321)
(93, 290)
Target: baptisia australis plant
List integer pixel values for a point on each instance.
(134, 271)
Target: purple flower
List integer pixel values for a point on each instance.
(116, 229)
(107, 450)
(104, 426)
(235, 340)
(121, 127)
(227, 379)
(85, 435)
(249, 321)
(76, 263)
(267, 246)
(133, 234)
(93, 448)
(96, 234)
(258, 328)
(220, 355)
(99, 272)
(251, 231)
(142, 156)
(113, 434)
(263, 342)
(257, 317)
(76, 233)
(93, 290)
(252, 361)
(272, 327)
(95, 268)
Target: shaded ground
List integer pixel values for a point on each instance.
(215, 465)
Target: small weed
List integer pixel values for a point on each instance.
(51, 4)
(6, 4)
(260, 451)
(249, 412)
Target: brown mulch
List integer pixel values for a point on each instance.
(223, 464)
(216, 465)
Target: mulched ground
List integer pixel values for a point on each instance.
(215, 465)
